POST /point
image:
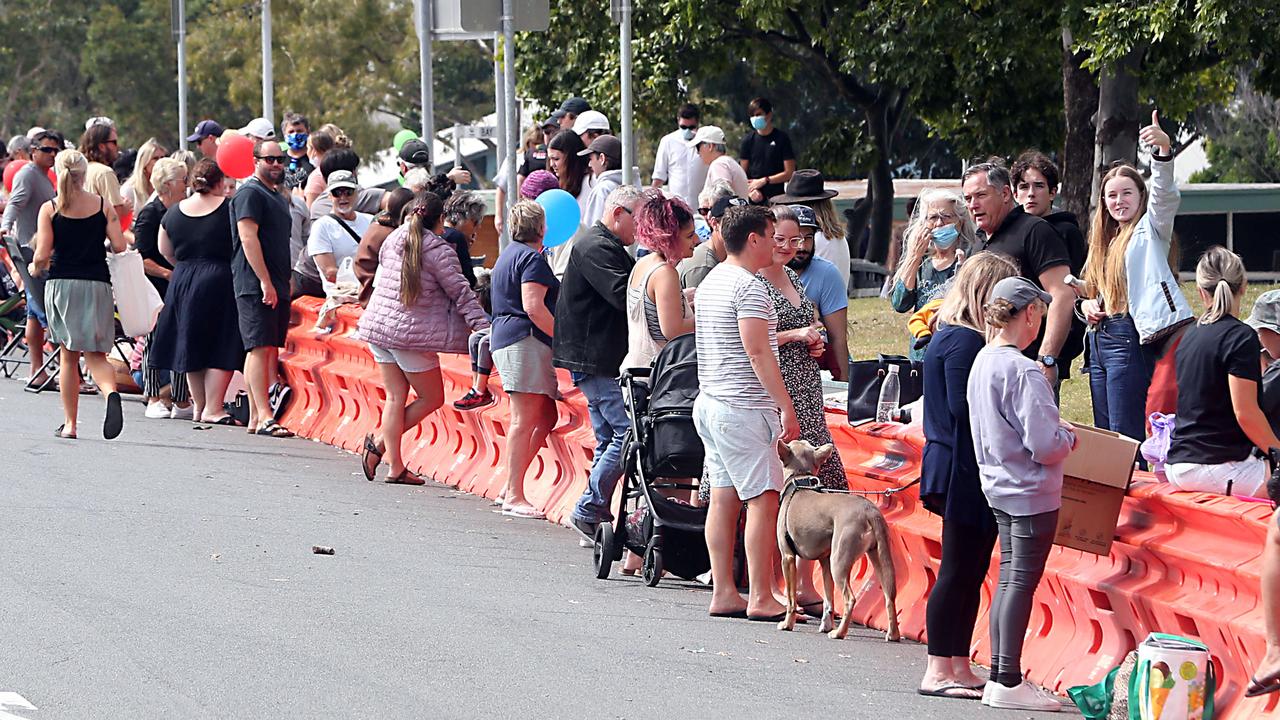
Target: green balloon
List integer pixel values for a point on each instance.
(403, 137)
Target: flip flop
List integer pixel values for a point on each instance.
(370, 451)
(524, 512)
(735, 614)
(65, 436)
(1256, 688)
(768, 618)
(954, 692)
(114, 422)
(405, 478)
(273, 429)
(225, 420)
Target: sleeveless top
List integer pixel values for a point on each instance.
(79, 247)
(644, 332)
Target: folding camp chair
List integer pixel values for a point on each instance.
(15, 352)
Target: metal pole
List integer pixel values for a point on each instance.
(628, 150)
(457, 146)
(513, 113)
(180, 30)
(500, 106)
(268, 103)
(424, 26)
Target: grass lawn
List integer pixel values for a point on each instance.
(875, 328)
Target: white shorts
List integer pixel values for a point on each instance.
(1248, 477)
(410, 361)
(741, 446)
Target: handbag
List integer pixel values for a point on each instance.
(866, 377)
(137, 301)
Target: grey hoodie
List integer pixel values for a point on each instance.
(1017, 436)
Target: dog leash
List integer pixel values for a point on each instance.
(886, 493)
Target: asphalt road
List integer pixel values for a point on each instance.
(169, 574)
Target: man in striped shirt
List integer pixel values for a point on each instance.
(742, 411)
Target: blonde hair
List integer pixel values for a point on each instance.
(964, 304)
(528, 222)
(69, 167)
(532, 138)
(140, 182)
(1104, 269)
(166, 170)
(186, 157)
(919, 216)
(424, 216)
(1220, 273)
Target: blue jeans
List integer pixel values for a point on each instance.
(609, 421)
(1120, 371)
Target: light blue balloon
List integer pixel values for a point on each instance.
(563, 216)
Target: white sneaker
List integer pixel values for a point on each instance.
(157, 411)
(1023, 697)
(986, 692)
(183, 413)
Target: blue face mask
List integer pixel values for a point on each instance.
(759, 121)
(296, 141)
(945, 236)
(687, 133)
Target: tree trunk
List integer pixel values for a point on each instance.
(1117, 120)
(881, 127)
(1080, 102)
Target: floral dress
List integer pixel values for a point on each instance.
(801, 375)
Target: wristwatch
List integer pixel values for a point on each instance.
(1048, 360)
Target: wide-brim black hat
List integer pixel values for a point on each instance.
(804, 186)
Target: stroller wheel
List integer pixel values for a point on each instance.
(651, 567)
(603, 552)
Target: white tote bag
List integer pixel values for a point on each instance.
(136, 298)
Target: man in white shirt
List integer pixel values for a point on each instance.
(336, 237)
(676, 164)
(708, 143)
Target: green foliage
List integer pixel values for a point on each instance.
(1242, 141)
(128, 60)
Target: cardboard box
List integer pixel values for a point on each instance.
(1095, 478)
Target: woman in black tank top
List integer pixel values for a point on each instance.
(70, 241)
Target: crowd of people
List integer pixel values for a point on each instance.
(748, 255)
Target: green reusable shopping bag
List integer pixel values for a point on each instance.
(1094, 701)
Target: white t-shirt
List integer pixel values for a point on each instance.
(728, 294)
(679, 168)
(835, 251)
(327, 236)
(726, 168)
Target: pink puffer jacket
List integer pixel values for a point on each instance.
(445, 313)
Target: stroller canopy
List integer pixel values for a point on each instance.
(674, 381)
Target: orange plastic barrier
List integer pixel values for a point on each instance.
(1187, 563)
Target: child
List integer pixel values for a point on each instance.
(1020, 443)
(481, 359)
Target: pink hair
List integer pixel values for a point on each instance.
(659, 220)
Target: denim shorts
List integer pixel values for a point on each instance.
(410, 361)
(741, 446)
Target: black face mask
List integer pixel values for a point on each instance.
(800, 263)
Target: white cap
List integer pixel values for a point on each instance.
(260, 128)
(591, 120)
(33, 132)
(707, 134)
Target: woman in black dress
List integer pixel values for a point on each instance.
(198, 331)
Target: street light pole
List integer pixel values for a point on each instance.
(512, 111)
(424, 24)
(179, 8)
(628, 149)
(268, 85)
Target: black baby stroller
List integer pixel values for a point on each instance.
(662, 448)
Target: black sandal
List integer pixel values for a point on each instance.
(370, 451)
(273, 429)
(225, 420)
(63, 435)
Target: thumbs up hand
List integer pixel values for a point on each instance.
(1156, 137)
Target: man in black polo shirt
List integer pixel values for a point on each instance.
(260, 277)
(1031, 241)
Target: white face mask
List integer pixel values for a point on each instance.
(687, 133)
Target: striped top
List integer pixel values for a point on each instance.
(730, 293)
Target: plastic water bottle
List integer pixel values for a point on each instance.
(889, 394)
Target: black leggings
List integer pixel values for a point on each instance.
(1025, 542)
(952, 610)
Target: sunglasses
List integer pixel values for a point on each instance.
(271, 159)
(342, 192)
(46, 149)
(704, 211)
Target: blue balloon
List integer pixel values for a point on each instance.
(563, 216)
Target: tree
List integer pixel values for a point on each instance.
(1242, 140)
(128, 61)
(40, 62)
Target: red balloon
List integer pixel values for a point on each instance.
(126, 221)
(235, 156)
(10, 170)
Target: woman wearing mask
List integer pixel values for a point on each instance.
(1020, 443)
(1212, 449)
(198, 332)
(939, 228)
(169, 177)
(421, 306)
(949, 484)
(1134, 307)
(72, 232)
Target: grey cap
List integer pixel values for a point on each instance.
(1019, 291)
(1266, 312)
(341, 179)
(607, 144)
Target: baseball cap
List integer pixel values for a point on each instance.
(806, 215)
(341, 179)
(1019, 291)
(99, 120)
(707, 134)
(590, 120)
(575, 105)
(1266, 312)
(555, 119)
(204, 129)
(724, 203)
(261, 128)
(33, 132)
(415, 152)
(607, 144)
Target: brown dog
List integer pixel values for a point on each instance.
(835, 529)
